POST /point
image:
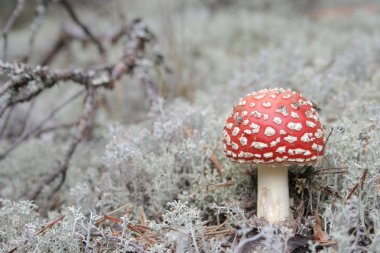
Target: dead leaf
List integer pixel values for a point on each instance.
(319, 234)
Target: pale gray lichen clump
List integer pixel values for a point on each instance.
(157, 161)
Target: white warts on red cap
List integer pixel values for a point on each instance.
(271, 123)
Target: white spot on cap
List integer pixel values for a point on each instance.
(242, 102)
(266, 104)
(229, 125)
(255, 128)
(245, 122)
(247, 131)
(266, 117)
(310, 123)
(269, 131)
(244, 113)
(281, 149)
(248, 155)
(316, 147)
(282, 132)
(251, 104)
(309, 114)
(305, 137)
(294, 126)
(241, 154)
(294, 106)
(307, 152)
(259, 96)
(294, 115)
(268, 155)
(277, 120)
(256, 114)
(290, 139)
(283, 110)
(243, 141)
(264, 90)
(272, 95)
(259, 145)
(235, 131)
(227, 138)
(299, 151)
(257, 155)
(287, 95)
(275, 142)
(319, 133)
(235, 146)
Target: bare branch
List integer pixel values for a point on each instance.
(54, 128)
(25, 120)
(75, 18)
(83, 124)
(26, 82)
(36, 130)
(9, 25)
(36, 24)
(6, 121)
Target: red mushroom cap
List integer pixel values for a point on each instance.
(273, 126)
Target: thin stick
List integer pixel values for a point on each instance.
(327, 138)
(25, 120)
(111, 213)
(363, 178)
(75, 18)
(361, 182)
(40, 10)
(35, 130)
(54, 128)
(9, 25)
(50, 225)
(6, 121)
(83, 125)
(217, 165)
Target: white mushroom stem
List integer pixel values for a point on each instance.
(273, 192)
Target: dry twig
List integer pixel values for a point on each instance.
(356, 186)
(9, 25)
(87, 30)
(25, 82)
(84, 123)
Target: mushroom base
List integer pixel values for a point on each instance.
(273, 192)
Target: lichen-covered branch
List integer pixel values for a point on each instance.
(26, 82)
(83, 125)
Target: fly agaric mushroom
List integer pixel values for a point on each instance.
(274, 128)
